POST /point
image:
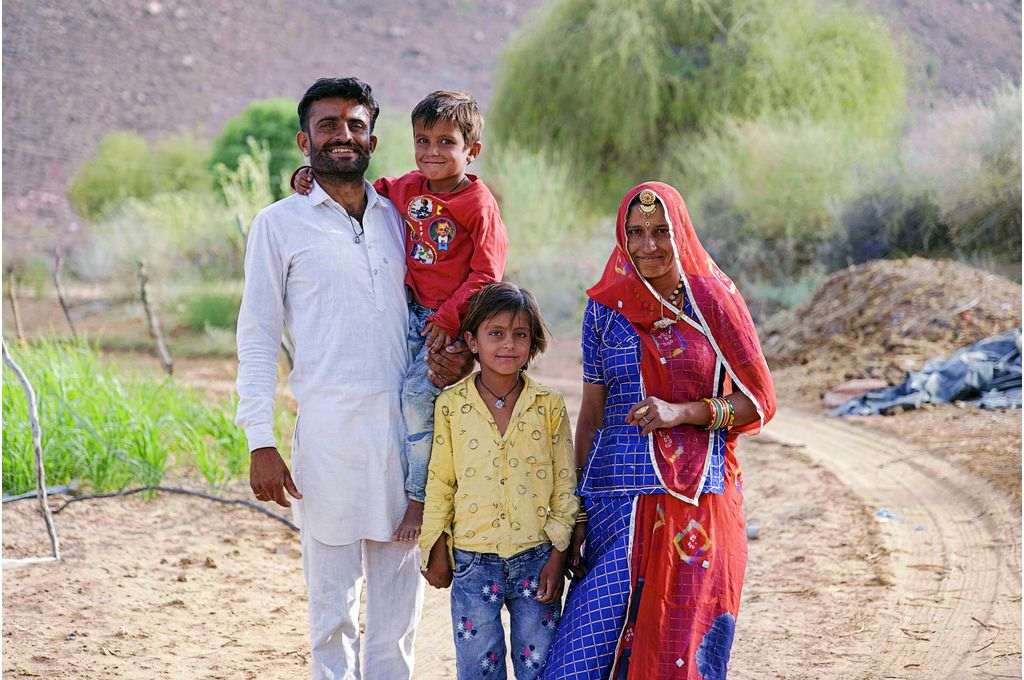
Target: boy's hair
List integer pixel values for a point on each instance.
(352, 89)
(458, 107)
(497, 298)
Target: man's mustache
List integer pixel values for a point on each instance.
(352, 147)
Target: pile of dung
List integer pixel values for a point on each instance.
(883, 318)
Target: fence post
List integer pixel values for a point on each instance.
(153, 321)
(58, 267)
(10, 285)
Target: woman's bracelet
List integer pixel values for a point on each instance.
(581, 515)
(721, 413)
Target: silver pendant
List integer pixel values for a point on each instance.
(356, 239)
(499, 404)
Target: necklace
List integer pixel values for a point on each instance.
(500, 403)
(357, 236)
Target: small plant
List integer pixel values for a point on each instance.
(211, 310)
(269, 122)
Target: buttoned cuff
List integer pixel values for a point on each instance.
(260, 436)
(558, 534)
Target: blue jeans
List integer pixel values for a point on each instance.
(484, 582)
(418, 395)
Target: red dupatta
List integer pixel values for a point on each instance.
(723, 318)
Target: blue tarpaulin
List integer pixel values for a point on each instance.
(986, 374)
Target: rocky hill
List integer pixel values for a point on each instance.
(73, 71)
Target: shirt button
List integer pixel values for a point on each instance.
(502, 515)
(374, 272)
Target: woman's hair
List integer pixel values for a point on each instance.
(498, 298)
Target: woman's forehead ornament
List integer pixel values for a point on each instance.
(648, 202)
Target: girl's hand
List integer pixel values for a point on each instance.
(436, 337)
(654, 414)
(439, 572)
(575, 566)
(551, 578)
(302, 180)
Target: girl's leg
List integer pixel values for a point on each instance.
(533, 623)
(478, 592)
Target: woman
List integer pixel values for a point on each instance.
(673, 374)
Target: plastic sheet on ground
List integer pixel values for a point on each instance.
(986, 374)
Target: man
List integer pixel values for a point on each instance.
(331, 267)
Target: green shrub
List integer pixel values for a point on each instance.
(126, 166)
(273, 122)
(606, 85)
(210, 310)
(394, 155)
(108, 431)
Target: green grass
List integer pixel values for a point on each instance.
(110, 431)
(211, 310)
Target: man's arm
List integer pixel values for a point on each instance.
(260, 324)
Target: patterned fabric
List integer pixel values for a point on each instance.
(620, 459)
(497, 493)
(455, 242)
(484, 583)
(662, 591)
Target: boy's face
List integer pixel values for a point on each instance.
(441, 151)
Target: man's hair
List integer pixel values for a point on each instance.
(501, 297)
(458, 107)
(352, 89)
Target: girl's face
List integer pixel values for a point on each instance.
(502, 343)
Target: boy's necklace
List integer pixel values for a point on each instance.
(500, 403)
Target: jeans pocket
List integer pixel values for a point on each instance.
(465, 560)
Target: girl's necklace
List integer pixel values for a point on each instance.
(500, 403)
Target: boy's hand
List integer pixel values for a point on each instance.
(302, 180)
(551, 578)
(436, 337)
(438, 572)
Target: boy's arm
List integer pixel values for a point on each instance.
(439, 504)
(490, 246)
(260, 324)
(563, 504)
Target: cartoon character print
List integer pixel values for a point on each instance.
(422, 253)
(489, 663)
(442, 232)
(465, 630)
(420, 208)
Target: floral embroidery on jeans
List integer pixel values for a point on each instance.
(491, 592)
(489, 663)
(531, 658)
(550, 619)
(528, 587)
(465, 630)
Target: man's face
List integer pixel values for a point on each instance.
(339, 143)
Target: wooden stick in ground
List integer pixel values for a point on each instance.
(11, 286)
(58, 267)
(37, 445)
(154, 322)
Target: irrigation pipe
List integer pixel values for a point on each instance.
(37, 445)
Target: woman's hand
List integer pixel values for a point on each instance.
(655, 414)
(575, 566)
(302, 180)
(552, 578)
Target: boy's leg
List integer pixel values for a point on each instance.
(394, 599)
(478, 593)
(533, 624)
(334, 579)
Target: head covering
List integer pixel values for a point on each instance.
(719, 310)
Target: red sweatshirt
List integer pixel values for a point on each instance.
(455, 243)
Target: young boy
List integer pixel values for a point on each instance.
(455, 245)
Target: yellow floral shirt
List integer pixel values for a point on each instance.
(500, 494)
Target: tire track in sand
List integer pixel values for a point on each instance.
(954, 551)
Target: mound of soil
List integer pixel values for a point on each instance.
(882, 318)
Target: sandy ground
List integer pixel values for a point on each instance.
(181, 588)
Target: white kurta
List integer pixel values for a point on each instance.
(345, 307)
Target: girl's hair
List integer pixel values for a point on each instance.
(498, 298)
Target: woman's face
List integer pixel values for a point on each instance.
(649, 242)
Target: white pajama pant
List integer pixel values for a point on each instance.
(394, 598)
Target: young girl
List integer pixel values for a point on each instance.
(500, 499)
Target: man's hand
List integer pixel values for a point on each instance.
(436, 337)
(552, 578)
(451, 364)
(439, 572)
(269, 477)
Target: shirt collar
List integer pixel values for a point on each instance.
(317, 195)
(531, 390)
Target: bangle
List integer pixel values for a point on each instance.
(721, 413)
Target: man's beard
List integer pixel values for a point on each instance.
(350, 169)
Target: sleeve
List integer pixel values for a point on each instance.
(384, 185)
(490, 246)
(564, 504)
(593, 368)
(260, 324)
(439, 504)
